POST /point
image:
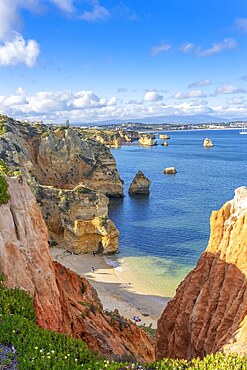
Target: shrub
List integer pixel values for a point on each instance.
(2, 129)
(4, 195)
(4, 168)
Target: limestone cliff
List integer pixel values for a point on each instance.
(70, 176)
(147, 140)
(209, 311)
(64, 301)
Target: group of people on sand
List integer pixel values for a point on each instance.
(136, 319)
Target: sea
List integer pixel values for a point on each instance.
(163, 235)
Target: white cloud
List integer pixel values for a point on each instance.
(190, 94)
(187, 47)
(244, 78)
(87, 107)
(152, 96)
(65, 5)
(19, 51)
(241, 23)
(217, 47)
(230, 89)
(162, 48)
(97, 13)
(200, 83)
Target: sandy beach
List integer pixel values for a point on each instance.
(118, 287)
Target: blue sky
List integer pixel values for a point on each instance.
(93, 60)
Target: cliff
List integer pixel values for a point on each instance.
(70, 177)
(64, 301)
(209, 311)
(140, 184)
(147, 140)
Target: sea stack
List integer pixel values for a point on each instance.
(165, 143)
(147, 140)
(208, 313)
(164, 136)
(170, 171)
(140, 184)
(208, 143)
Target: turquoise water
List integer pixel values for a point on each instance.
(163, 235)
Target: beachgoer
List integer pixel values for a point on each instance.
(92, 269)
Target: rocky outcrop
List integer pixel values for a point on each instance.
(64, 301)
(208, 143)
(140, 184)
(70, 176)
(147, 140)
(170, 171)
(164, 136)
(209, 311)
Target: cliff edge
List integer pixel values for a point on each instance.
(64, 301)
(209, 311)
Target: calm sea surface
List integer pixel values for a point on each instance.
(162, 236)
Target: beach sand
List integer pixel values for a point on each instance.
(118, 287)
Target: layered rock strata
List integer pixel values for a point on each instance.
(147, 140)
(64, 301)
(209, 311)
(70, 176)
(140, 184)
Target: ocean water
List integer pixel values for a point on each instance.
(162, 236)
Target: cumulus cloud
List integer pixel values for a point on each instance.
(216, 47)
(85, 106)
(152, 96)
(200, 83)
(241, 24)
(162, 48)
(230, 89)
(190, 94)
(19, 51)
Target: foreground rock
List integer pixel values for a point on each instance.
(140, 184)
(170, 171)
(70, 177)
(64, 301)
(209, 311)
(208, 143)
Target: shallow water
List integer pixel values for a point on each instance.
(163, 235)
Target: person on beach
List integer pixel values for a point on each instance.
(94, 254)
(92, 269)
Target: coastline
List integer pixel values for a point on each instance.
(118, 287)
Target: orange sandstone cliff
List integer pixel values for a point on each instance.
(63, 300)
(209, 311)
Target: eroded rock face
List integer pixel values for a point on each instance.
(208, 143)
(147, 140)
(209, 311)
(170, 171)
(140, 184)
(64, 301)
(57, 163)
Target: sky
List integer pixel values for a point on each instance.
(98, 60)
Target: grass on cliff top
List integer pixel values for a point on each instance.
(38, 349)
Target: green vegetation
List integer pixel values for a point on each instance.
(4, 195)
(2, 129)
(41, 349)
(103, 220)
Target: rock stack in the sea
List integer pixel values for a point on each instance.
(170, 171)
(147, 140)
(64, 302)
(209, 312)
(165, 143)
(140, 184)
(70, 177)
(164, 136)
(208, 143)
